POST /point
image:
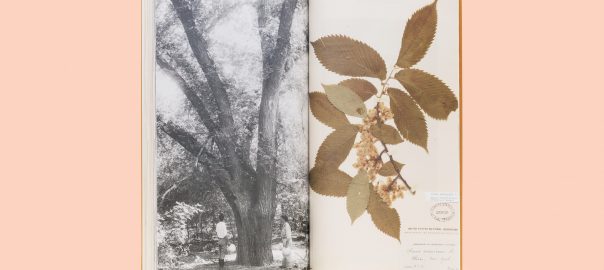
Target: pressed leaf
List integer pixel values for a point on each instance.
(390, 168)
(363, 88)
(358, 195)
(336, 147)
(432, 95)
(385, 218)
(349, 57)
(385, 133)
(325, 112)
(329, 181)
(345, 100)
(418, 36)
(408, 118)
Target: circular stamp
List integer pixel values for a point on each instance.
(442, 212)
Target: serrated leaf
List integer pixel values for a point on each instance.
(418, 36)
(357, 197)
(363, 88)
(329, 181)
(432, 95)
(349, 57)
(336, 147)
(385, 133)
(325, 112)
(390, 168)
(345, 100)
(385, 218)
(408, 118)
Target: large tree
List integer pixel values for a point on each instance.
(238, 149)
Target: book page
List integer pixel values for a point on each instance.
(231, 126)
(385, 134)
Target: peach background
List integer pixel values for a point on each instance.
(70, 136)
(533, 135)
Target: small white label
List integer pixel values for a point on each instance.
(442, 197)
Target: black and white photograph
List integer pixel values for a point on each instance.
(231, 131)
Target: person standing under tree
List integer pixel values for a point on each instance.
(286, 239)
(221, 232)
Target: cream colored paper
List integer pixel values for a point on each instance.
(430, 222)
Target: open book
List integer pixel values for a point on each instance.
(301, 134)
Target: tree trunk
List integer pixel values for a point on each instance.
(254, 235)
(253, 217)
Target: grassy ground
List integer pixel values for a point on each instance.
(238, 267)
(204, 261)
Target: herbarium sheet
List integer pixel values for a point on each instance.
(384, 134)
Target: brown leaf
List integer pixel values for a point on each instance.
(325, 112)
(418, 36)
(385, 133)
(408, 118)
(336, 147)
(432, 95)
(345, 100)
(349, 57)
(385, 218)
(329, 181)
(357, 197)
(363, 88)
(388, 169)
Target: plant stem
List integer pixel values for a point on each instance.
(398, 173)
(385, 82)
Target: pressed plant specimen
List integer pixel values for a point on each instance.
(378, 181)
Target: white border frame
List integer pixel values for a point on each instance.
(149, 255)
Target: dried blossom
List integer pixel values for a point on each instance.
(389, 191)
(368, 157)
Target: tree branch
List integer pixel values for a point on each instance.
(246, 144)
(174, 186)
(273, 68)
(181, 136)
(190, 93)
(226, 130)
(265, 38)
(196, 93)
(192, 145)
(199, 44)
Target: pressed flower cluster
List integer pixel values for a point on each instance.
(370, 160)
(367, 154)
(388, 190)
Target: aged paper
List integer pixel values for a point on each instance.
(430, 219)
